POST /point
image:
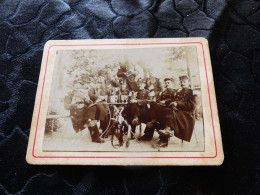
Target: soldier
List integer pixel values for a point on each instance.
(139, 106)
(123, 88)
(123, 92)
(129, 77)
(157, 110)
(180, 116)
(153, 83)
(136, 107)
(77, 102)
(111, 81)
(152, 95)
(97, 110)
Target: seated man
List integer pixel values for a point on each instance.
(97, 110)
(153, 83)
(180, 116)
(157, 110)
(139, 106)
(77, 102)
(123, 92)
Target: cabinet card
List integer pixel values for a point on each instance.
(126, 102)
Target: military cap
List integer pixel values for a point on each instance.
(121, 81)
(167, 79)
(183, 77)
(130, 73)
(141, 81)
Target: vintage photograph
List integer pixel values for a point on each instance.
(131, 100)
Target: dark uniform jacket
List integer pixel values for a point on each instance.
(111, 81)
(124, 91)
(142, 95)
(156, 84)
(131, 85)
(167, 96)
(183, 120)
(152, 95)
(71, 102)
(96, 110)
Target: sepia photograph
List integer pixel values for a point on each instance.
(145, 99)
(126, 102)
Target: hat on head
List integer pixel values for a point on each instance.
(167, 79)
(183, 77)
(121, 81)
(141, 81)
(130, 73)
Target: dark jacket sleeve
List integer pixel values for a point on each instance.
(121, 73)
(158, 84)
(115, 83)
(188, 104)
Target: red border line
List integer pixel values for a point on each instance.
(124, 156)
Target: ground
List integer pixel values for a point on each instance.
(65, 139)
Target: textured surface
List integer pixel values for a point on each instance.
(233, 30)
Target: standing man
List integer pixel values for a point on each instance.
(129, 77)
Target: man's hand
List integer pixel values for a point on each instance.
(133, 101)
(174, 105)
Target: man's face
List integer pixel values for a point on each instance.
(168, 84)
(131, 78)
(123, 85)
(184, 83)
(141, 85)
(151, 87)
(109, 73)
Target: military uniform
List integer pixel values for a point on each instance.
(76, 102)
(157, 116)
(97, 110)
(167, 96)
(155, 82)
(124, 91)
(123, 73)
(140, 108)
(157, 107)
(181, 118)
(142, 94)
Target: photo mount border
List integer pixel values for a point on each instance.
(87, 45)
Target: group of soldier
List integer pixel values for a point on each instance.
(168, 111)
